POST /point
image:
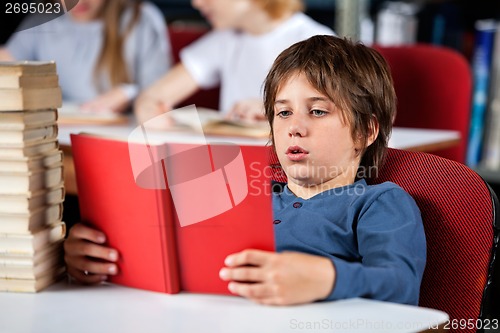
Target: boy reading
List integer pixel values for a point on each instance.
(330, 104)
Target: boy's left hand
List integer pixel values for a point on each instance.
(279, 278)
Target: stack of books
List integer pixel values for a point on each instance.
(31, 177)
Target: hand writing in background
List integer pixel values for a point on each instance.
(249, 110)
(113, 101)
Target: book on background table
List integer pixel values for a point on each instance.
(214, 122)
(71, 114)
(160, 214)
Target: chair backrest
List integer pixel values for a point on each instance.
(433, 86)
(459, 213)
(181, 36)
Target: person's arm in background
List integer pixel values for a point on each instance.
(199, 68)
(148, 55)
(164, 94)
(5, 55)
(21, 45)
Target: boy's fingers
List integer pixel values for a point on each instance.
(83, 232)
(83, 265)
(244, 274)
(86, 277)
(248, 257)
(89, 249)
(254, 291)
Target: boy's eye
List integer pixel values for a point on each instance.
(318, 113)
(284, 114)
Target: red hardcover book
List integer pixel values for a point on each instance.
(174, 211)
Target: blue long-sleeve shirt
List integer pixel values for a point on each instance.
(373, 235)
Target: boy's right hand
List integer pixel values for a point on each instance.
(87, 261)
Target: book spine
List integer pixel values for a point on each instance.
(481, 64)
(491, 153)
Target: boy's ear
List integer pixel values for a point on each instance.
(373, 128)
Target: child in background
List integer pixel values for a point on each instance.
(330, 104)
(248, 35)
(105, 51)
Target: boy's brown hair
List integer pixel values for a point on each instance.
(355, 77)
(279, 8)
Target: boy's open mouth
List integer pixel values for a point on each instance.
(296, 153)
(296, 150)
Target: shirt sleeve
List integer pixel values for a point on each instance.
(203, 58)
(154, 50)
(391, 242)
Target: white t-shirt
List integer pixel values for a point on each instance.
(75, 47)
(239, 62)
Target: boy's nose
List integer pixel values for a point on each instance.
(297, 127)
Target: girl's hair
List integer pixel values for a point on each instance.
(111, 61)
(355, 77)
(279, 8)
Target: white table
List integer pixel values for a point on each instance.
(110, 308)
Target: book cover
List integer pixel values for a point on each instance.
(481, 65)
(172, 215)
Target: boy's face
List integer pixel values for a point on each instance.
(87, 10)
(225, 14)
(313, 144)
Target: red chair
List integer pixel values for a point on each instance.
(434, 87)
(461, 222)
(181, 36)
